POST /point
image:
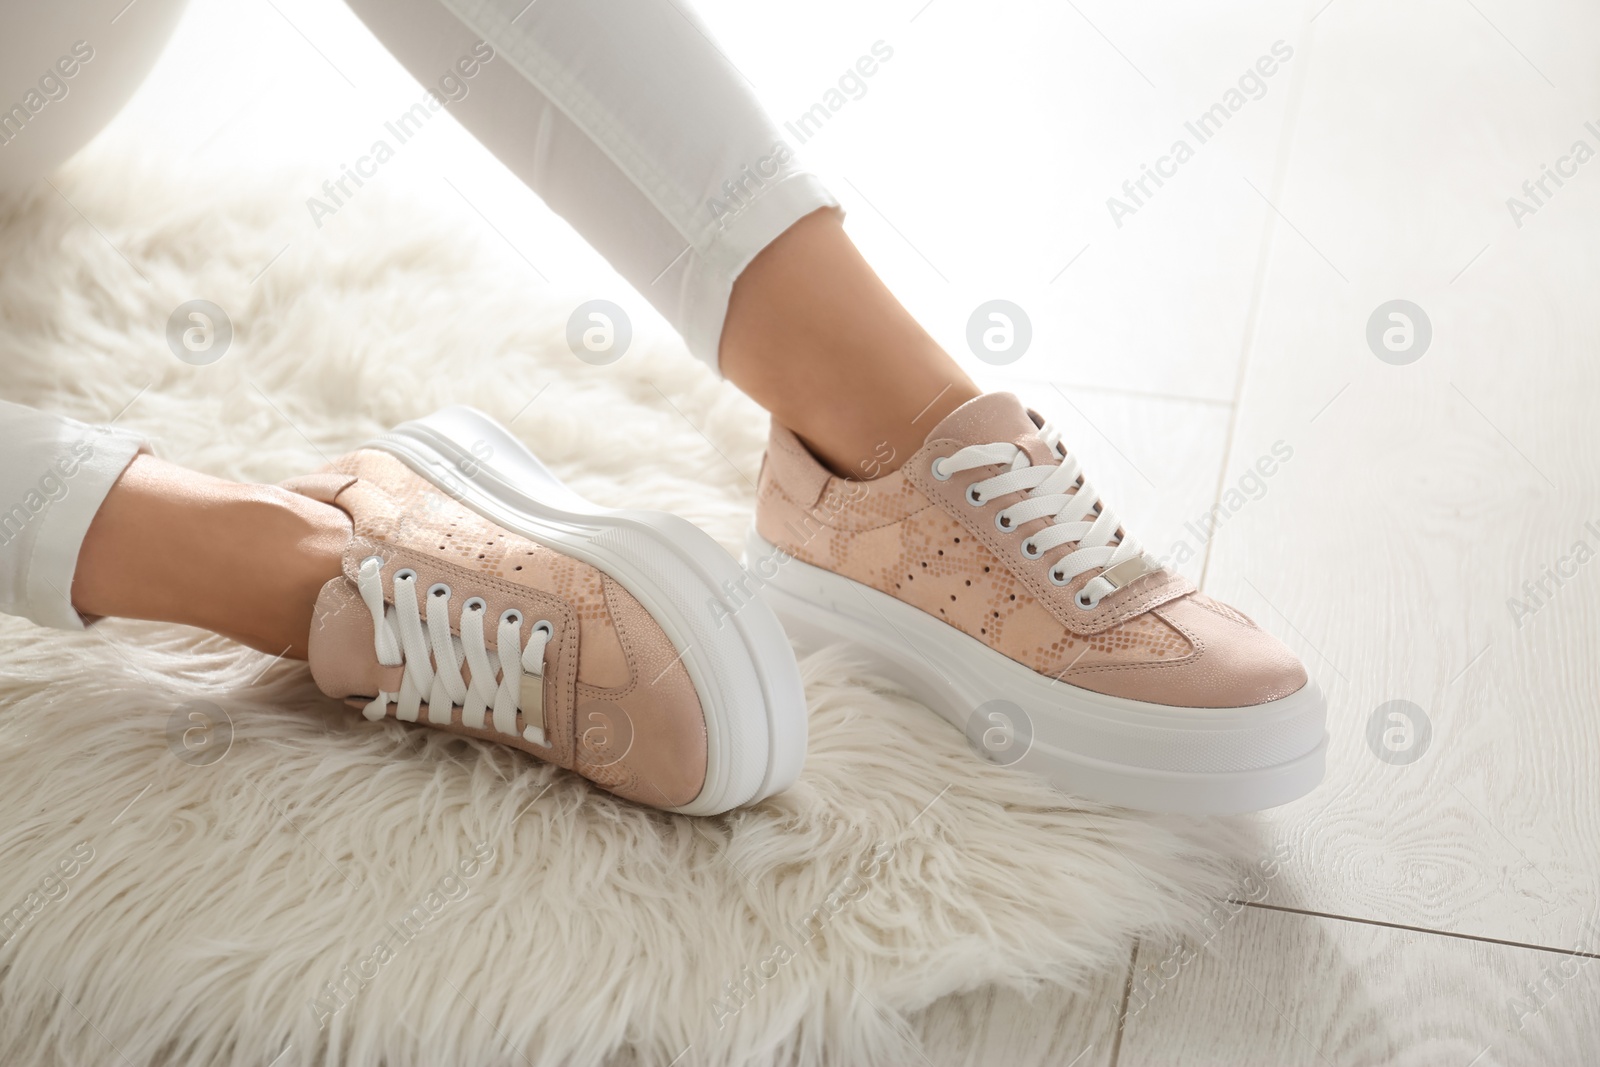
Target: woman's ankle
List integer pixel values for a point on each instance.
(246, 561)
(863, 444)
(815, 337)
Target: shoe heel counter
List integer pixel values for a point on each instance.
(788, 488)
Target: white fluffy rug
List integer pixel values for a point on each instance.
(334, 891)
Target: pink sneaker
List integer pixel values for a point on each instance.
(483, 597)
(987, 578)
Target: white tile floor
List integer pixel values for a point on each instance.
(1431, 896)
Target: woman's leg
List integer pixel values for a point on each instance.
(817, 339)
(626, 118)
(93, 525)
(245, 561)
(628, 121)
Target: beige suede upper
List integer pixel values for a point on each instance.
(619, 706)
(916, 538)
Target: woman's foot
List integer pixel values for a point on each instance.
(605, 642)
(481, 596)
(988, 578)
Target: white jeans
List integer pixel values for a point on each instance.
(621, 114)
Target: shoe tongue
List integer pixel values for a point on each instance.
(343, 660)
(992, 418)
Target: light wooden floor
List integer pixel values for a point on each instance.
(1427, 911)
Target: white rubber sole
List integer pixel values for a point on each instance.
(1201, 761)
(737, 656)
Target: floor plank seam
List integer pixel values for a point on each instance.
(1422, 930)
(1122, 1008)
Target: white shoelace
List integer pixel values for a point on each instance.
(1058, 492)
(433, 657)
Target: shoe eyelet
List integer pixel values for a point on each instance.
(1003, 523)
(1031, 550)
(405, 574)
(1085, 602)
(439, 589)
(475, 604)
(936, 468)
(1057, 578)
(544, 624)
(974, 497)
(511, 615)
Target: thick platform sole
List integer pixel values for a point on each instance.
(737, 655)
(1199, 761)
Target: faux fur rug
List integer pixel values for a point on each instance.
(336, 891)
